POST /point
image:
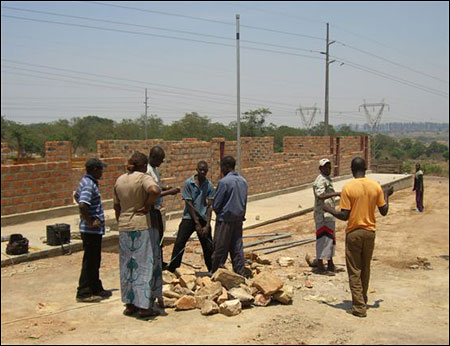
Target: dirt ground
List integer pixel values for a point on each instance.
(407, 306)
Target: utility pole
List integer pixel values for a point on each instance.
(307, 115)
(238, 96)
(145, 119)
(374, 120)
(327, 65)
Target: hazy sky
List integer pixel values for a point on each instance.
(70, 59)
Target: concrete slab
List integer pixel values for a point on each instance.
(279, 206)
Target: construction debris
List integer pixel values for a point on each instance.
(231, 308)
(286, 261)
(285, 295)
(422, 263)
(209, 308)
(228, 279)
(267, 283)
(185, 303)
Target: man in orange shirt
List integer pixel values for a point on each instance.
(359, 199)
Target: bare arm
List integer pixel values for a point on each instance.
(385, 208)
(171, 191)
(343, 215)
(117, 210)
(194, 216)
(324, 196)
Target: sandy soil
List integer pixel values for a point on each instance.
(407, 306)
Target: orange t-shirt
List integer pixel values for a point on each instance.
(361, 196)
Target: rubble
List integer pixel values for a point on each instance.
(185, 303)
(227, 278)
(212, 292)
(422, 263)
(286, 261)
(188, 281)
(267, 283)
(168, 292)
(209, 308)
(183, 291)
(179, 272)
(169, 303)
(285, 295)
(204, 281)
(242, 295)
(231, 308)
(223, 297)
(169, 278)
(261, 259)
(262, 300)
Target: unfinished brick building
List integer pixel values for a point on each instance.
(29, 187)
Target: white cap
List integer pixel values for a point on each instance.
(323, 162)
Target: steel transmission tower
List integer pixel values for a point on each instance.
(307, 115)
(373, 119)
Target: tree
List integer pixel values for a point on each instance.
(253, 122)
(191, 125)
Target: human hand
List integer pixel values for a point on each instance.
(198, 228)
(96, 224)
(389, 190)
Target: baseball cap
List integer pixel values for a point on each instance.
(95, 163)
(323, 162)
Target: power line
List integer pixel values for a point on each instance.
(142, 82)
(170, 37)
(392, 77)
(392, 62)
(203, 19)
(159, 28)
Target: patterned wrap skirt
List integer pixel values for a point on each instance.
(325, 240)
(140, 268)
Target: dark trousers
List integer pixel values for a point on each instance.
(419, 200)
(89, 282)
(185, 230)
(228, 239)
(359, 245)
(157, 223)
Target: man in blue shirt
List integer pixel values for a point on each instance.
(197, 194)
(92, 228)
(230, 204)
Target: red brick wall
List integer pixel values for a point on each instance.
(58, 151)
(30, 187)
(35, 186)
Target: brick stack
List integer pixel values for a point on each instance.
(6, 152)
(58, 151)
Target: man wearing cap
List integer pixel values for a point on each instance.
(92, 228)
(325, 223)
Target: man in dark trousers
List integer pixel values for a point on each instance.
(198, 194)
(359, 199)
(155, 159)
(230, 204)
(418, 187)
(92, 229)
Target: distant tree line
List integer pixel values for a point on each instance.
(84, 132)
(388, 148)
(402, 127)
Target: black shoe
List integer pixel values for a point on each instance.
(104, 294)
(89, 299)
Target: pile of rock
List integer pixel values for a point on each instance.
(423, 263)
(226, 292)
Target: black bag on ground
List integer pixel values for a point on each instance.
(17, 245)
(58, 234)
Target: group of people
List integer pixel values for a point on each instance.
(138, 196)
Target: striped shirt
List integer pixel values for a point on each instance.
(89, 193)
